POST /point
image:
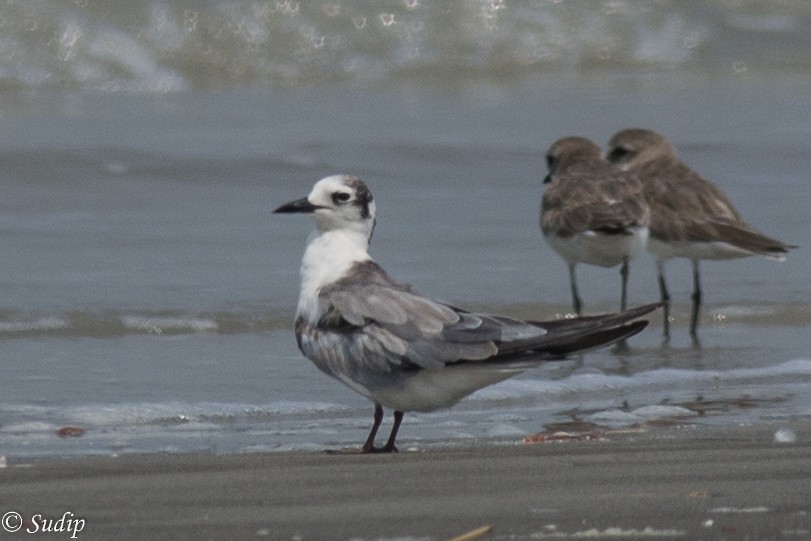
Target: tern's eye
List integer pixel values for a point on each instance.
(340, 198)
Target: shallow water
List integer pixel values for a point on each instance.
(148, 292)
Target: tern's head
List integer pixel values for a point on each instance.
(570, 151)
(634, 147)
(338, 202)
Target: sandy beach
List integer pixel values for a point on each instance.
(675, 483)
(149, 293)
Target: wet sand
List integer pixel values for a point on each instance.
(672, 483)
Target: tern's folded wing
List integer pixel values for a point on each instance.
(371, 322)
(388, 324)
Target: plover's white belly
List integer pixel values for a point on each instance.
(595, 248)
(695, 250)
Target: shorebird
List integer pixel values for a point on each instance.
(401, 349)
(690, 216)
(591, 212)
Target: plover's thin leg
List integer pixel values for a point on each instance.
(624, 294)
(577, 305)
(665, 297)
(622, 346)
(696, 301)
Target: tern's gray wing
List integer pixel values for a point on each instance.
(384, 325)
(371, 323)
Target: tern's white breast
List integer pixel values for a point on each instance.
(329, 257)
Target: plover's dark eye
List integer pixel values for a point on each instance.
(618, 154)
(340, 197)
(551, 161)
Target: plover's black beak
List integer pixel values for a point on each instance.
(300, 205)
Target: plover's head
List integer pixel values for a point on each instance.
(337, 202)
(569, 151)
(634, 147)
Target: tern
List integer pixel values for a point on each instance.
(400, 349)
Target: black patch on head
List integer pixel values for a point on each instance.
(363, 197)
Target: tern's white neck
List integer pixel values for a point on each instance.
(328, 257)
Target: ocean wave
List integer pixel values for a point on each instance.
(598, 384)
(33, 419)
(508, 411)
(78, 323)
(160, 46)
(257, 317)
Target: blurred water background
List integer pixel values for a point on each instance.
(147, 292)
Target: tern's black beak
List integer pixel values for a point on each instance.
(300, 205)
